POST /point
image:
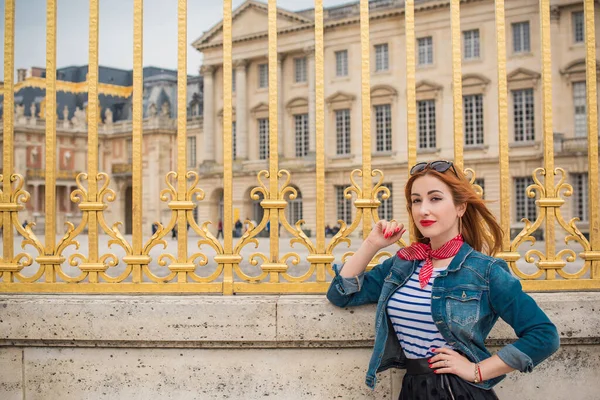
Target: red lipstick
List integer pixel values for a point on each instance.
(426, 222)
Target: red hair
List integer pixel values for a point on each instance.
(479, 226)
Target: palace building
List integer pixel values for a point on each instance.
(115, 138)
(343, 130)
(342, 69)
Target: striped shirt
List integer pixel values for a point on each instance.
(409, 309)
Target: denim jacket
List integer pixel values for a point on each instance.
(466, 301)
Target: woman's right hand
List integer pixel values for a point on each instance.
(385, 233)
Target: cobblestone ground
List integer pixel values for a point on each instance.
(247, 251)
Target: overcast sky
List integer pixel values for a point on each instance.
(116, 31)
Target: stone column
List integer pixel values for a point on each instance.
(208, 114)
(280, 107)
(310, 65)
(241, 110)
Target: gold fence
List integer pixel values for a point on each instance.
(182, 191)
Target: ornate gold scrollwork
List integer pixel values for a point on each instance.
(550, 262)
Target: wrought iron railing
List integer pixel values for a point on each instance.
(182, 190)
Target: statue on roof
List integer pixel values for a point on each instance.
(165, 109)
(32, 110)
(65, 114)
(79, 118)
(152, 110)
(20, 113)
(108, 116)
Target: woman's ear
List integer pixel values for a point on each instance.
(461, 209)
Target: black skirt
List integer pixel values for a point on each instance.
(421, 383)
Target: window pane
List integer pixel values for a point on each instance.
(381, 57)
(425, 50)
(471, 44)
(473, 119)
(341, 63)
(525, 206)
(263, 75)
(580, 191)
(301, 129)
(383, 127)
(521, 37)
(344, 206)
(578, 27)
(523, 109)
(426, 124)
(234, 138)
(263, 138)
(580, 109)
(191, 151)
(300, 69)
(342, 126)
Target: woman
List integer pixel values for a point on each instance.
(438, 299)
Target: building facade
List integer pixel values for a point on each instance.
(114, 137)
(342, 68)
(296, 111)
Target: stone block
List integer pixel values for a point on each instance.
(290, 374)
(570, 374)
(313, 318)
(138, 318)
(11, 373)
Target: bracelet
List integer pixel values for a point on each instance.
(479, 370)
(477, 374)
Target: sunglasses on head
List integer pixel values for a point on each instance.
(439, 166)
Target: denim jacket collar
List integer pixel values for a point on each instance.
(459, 259)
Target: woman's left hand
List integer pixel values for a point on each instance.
(447, 361)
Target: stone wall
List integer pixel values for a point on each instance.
(243, 347)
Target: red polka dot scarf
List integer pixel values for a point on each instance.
(422, 251)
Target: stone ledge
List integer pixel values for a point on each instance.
(238, 321)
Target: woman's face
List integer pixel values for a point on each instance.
(434, 211)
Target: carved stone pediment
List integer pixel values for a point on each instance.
(260, 109)
(427, 89)
(523, 74)
(383, 91)
(470, 80)
(474, 83)
(298, 102)
(250, 20)
(575, 71)
(340, 97)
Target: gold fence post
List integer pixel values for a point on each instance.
(137, 139)
(367, 179)
(227, 147)
(320, 135)
(411, 95)
(457, 84)
(182, 247)
(546, 65)
(50, 181)
(273, 144)
(93, 207)
(7, 266)
(504, 176)
(592, 125)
